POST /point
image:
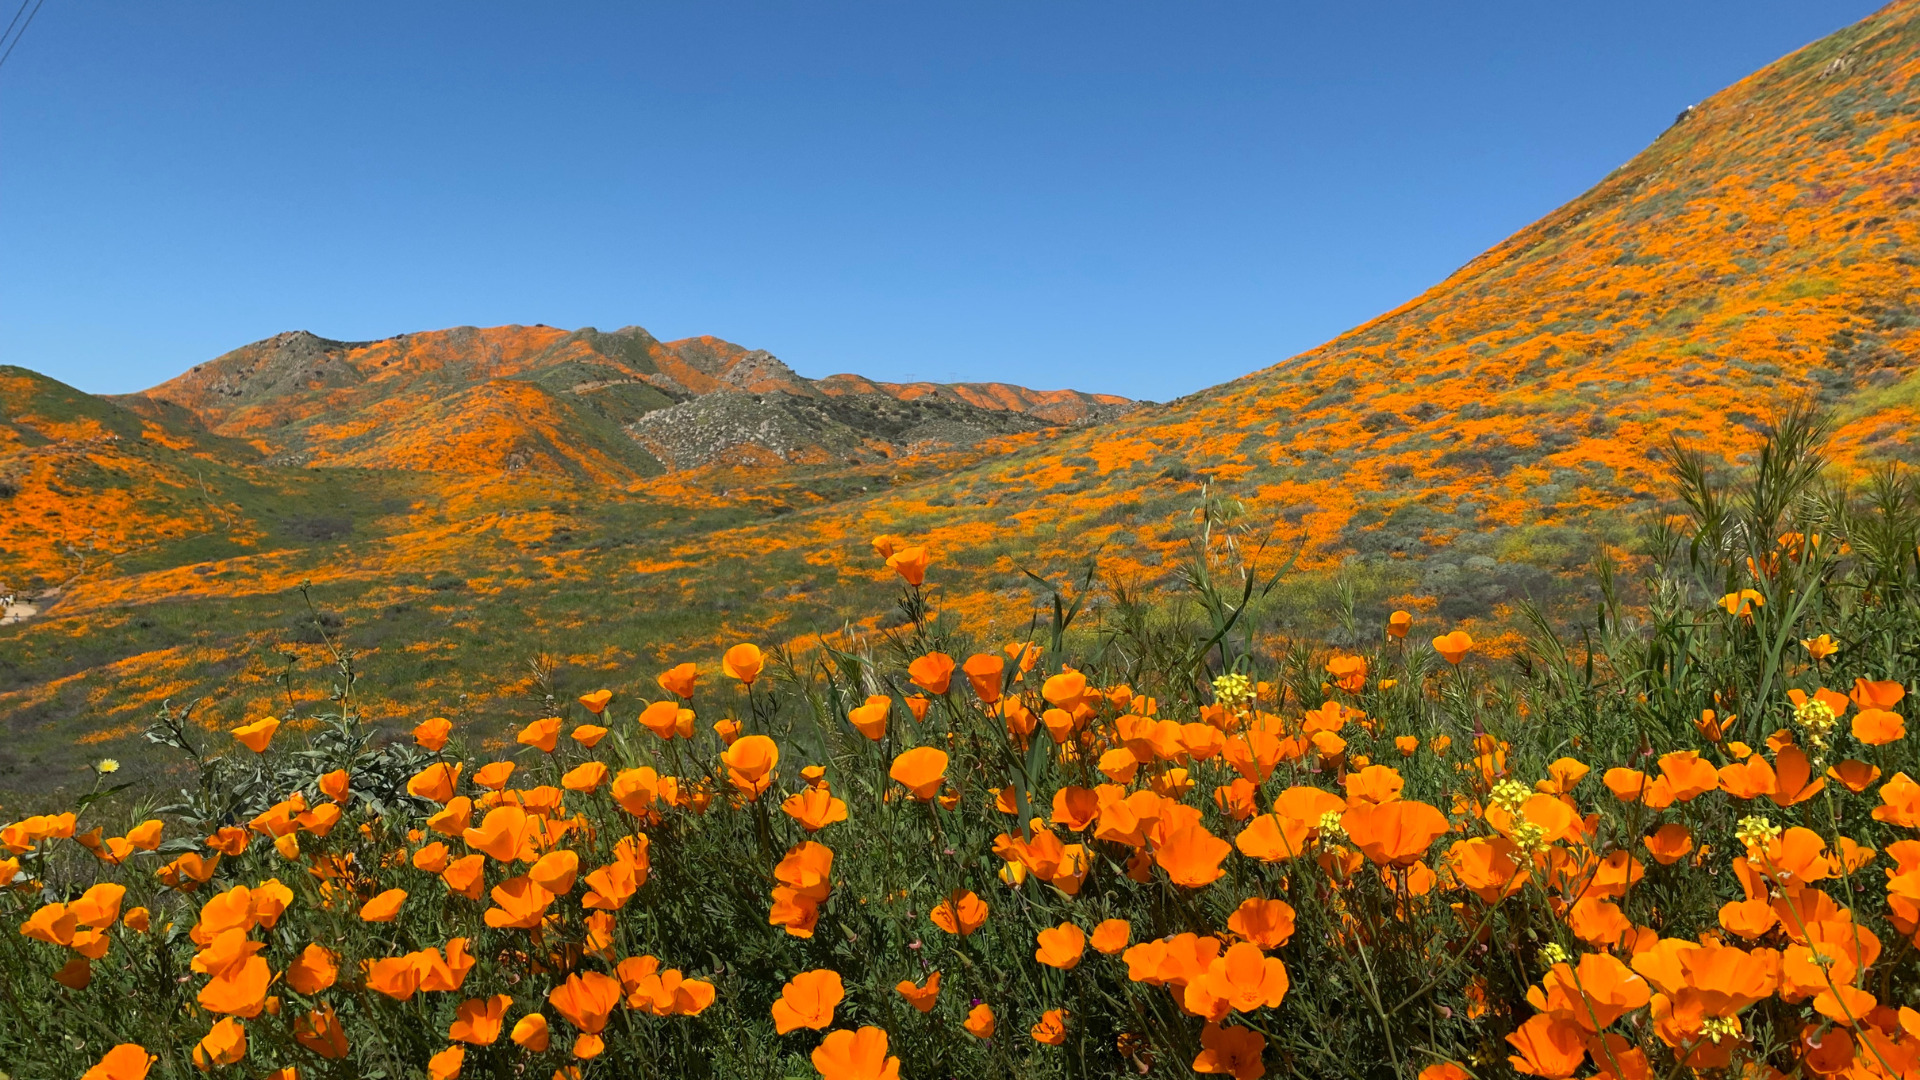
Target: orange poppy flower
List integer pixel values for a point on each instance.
(1111, 936)
(1232, 1051)
(333, 785)
(432, 734)
(520, 904)
(911, 564)
(127, 1061)
(1900, 802)
(750, 762)
(960, 913)
(321, 1032)
(1396, 833)
(229, 840)
(1244, 978)
(610, 887)
(1349, 673)
(932, 672)
(1721, 981)
(922, 996)
(1489, 867)
(743, 662)
(555, 871)
(494, 775)
(586, 1000)
(1856, 776)
(1669, 843)
(531, 1033)
(1061, 947)
(985, 673)
(1548, 1047)
(257, 735)
(1878, 727)
(446, 1064)
(1597, 921)
(479, 1020)
(808, 1000)
(1687, 775)
(806, 867)
(1794, 782)
(77, 973)
(1064, 690)
(1266, 923)
(313, 970)
(1627, 785)
(505, 834)
(435, 782)
(466, 875)
(661, 717)
(1453, 647)
(1119, 765)
(1877, 695)
(1191, 855)
(921, 771)
(1052, 1028)
(437, 973)
(1373, 784)
(226, 1044)
(1406, 744)
(1236, 800)
(241, 990)
(1399, 623)
(596, 702)
(542, 735)
(980, 1022)
(1283, 834)
(678, 680)
(870, 719)
(454, 818)
(135, 920)
(1075, 807)
(99, 907)
(584, 777)
(856, 1055)
(1820, 647)
(189, 871)
(385, 907)
(815, 808)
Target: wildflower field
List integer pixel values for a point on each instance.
(1152, 839)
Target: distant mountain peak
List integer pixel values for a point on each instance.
(313, 400)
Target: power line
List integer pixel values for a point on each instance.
(23, 28)
(19, 11)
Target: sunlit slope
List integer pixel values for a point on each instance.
(83, 480)
(1472, 445)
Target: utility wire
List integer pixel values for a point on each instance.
(23, 28)
(11, 23)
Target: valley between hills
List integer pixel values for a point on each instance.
(487, 516)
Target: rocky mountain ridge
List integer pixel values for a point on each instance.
(611, 406)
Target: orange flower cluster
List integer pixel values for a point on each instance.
(1112, 839)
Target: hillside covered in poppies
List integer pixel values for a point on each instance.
(574, 503)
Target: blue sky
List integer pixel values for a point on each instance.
(1142, 198)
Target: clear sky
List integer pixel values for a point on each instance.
(1143, 198)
